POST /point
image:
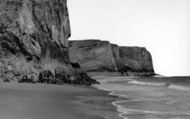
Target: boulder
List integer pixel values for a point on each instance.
(26, 79)
(46, 77)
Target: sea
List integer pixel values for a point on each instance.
(149, 97)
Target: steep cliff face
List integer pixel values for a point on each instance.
(137, 58)
(96, 55)
(38, 28)
(92, 55)
(34, 40)
(32, 32)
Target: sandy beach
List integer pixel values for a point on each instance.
(42, 101)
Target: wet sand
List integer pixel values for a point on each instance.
(42, 101)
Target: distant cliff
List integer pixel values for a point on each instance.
(99, 57)
(92, 55)
(34, 40)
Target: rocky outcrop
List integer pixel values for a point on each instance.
(33, 38)
(97, 57)
(138, 59)
(76, 77)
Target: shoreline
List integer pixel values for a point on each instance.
(46, 101)
(121, 98)
(149, 97)
(119, 108)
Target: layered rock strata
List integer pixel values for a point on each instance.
(101, 57)
(92, 55)
(33, 38)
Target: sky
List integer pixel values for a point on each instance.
(162, 26)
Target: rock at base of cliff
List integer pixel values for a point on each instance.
(60, 78)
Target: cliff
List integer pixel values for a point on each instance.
(101, 57)
(92, 55)
(33, 39)
(137, 59)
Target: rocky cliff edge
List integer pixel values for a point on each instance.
(103, 58)
(34, 41)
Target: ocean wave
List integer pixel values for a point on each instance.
(119, 88)
(115, 80)
(124, 111)
(179, 87)
(148, 83)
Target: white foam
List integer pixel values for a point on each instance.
(180, 87)
(120, 109)
(148, 89)
(147, 83)
(118, 79)
(123, 111)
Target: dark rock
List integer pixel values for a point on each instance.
(26, 79)
(46, 77)
(8, 76)
(83, 78)
(61, 78)
(6, 80)
(75, 65)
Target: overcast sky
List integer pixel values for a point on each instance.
(162, 26)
